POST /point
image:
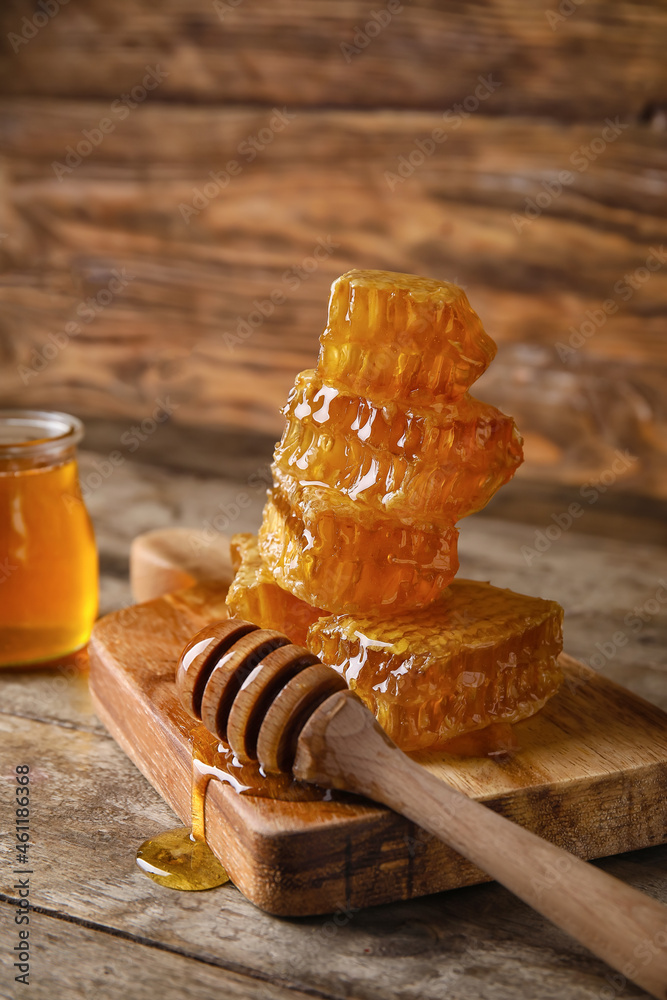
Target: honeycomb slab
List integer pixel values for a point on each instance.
(332, 553)
(393, 336)
(422, 465)
(477, 656)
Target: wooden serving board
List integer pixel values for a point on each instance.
(590, 775)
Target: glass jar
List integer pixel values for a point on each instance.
(48, 559)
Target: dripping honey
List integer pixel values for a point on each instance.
(48, 559)
(181, 858)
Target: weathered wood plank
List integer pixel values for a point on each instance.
(187, 324)
(478, 161)
(594, 61)
(452, 213)
(465, 941)
(68, 960)
(56, 695)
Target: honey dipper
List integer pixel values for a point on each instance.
(276, 703)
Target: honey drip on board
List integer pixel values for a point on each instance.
(177, 861)
(180, 858)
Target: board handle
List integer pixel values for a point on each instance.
(342, 746)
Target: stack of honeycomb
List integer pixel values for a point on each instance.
(383, 451)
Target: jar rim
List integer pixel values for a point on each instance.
(44, 431)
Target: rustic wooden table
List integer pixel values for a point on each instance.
(100, 929)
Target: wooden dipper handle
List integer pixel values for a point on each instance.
(276, 703)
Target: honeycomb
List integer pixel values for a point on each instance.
(477, 656)
(400, 337)
(421, 464)
(383, 451)
(332, 553)
(255, 596)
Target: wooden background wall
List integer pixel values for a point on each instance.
(169, 333)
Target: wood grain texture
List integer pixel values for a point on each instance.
(171, 335)
(74, 961)
(601, 59)
(299, 858)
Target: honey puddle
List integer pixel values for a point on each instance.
(178, 861)
(180, 858)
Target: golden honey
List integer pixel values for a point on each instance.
(180, 858)
(384, 449)
(177, 860)
(334, 554)
(48, 559)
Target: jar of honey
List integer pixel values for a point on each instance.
(48, 559)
